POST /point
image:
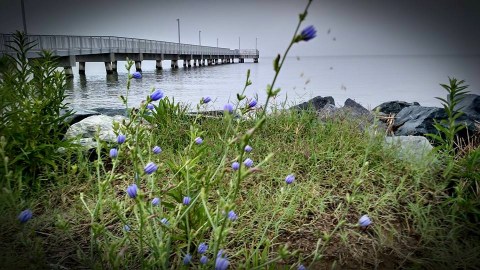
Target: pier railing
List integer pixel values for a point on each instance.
(65, 45)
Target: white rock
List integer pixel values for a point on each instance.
(88, 127)
(417, 147)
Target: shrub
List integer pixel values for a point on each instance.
(32, 93)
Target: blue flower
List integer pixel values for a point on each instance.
(221, 263)
(137, 75)
(235, 166)
(25, 216)
(221, 253)
(248, 149)
(202, 248)
(156, 150)
(150, 106)
(248, 162)
(156, 95)
(308, 33)
(198, 140)
(150, 168)
(187, 259)
(164, 221)
(186, 200)
(232, 216)
(301, 267)
(126, 228)
(364, 221)
(289, 179)
(204, 259)
(206, 100)
(132, 191)
(113, 153)
(252, 103)
(121, 138)
(228, 108)
(155, 201)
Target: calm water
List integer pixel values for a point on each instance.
(366, 79)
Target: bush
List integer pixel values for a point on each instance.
(32, 93)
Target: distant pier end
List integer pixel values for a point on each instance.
(110, 49)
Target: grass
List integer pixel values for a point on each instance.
(341, 173)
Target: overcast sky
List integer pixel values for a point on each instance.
(359, 27)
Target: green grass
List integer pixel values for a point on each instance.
(340, 173)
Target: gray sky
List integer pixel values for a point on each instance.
(360, 27)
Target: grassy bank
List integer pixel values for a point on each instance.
(341, 173)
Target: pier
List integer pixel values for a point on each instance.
(110, 49)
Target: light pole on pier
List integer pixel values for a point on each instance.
(199, 37)
(256, 43)
(239, 43)
(23, 18)
(217, 42)
(178, 21)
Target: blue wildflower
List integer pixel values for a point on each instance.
(364, 221)
(156, 95)
(150, 106)
(221, 263)
(155, 201)
(206, 100)
(25, 215)
(132, 191)
(113, 153)
(164, 221)
(187, 259)
(150, 168)
(252, 103)
(301, 267)
(126, 228)
(156, 150)
(248, 162)
(121, 138)
(202, 248)
(248, 149)
(137, 75)
(235, 166)
(308, 33)
(289, 179)
(204, 259)
(186, 200)
(228, 108)
(198, 140)
(232, 216)
(221, 253)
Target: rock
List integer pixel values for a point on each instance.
(418, 121)
(316, 103)
(327, 111)
(111, 111)
(416, 147)
(87, 128)
(394, 107)
(470, 105)
(80, 114)
(355, 108)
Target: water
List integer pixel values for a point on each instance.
(370, 80)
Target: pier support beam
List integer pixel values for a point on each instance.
(68, 71)
(158, 64)
(108, 67)
(195, 62)
(138, 66)
(81, 68)
(174, 64)
(189, 63)
(255, 60)
(114, 66)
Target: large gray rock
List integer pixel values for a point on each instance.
(470, 105)
(394, 107)
(416, 147)
(87, 128)
(355, 108)
(316, 103)
(418, 121)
